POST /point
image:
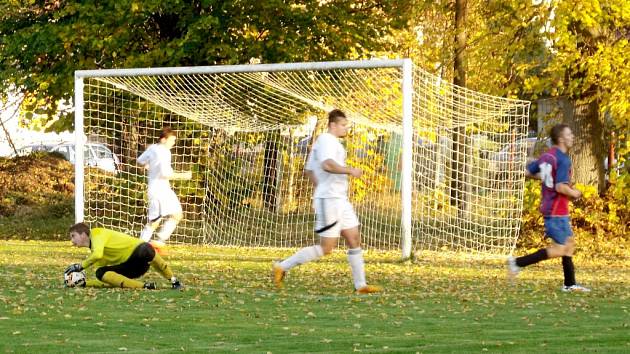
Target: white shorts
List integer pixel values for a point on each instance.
(333, 215)
(163, 204)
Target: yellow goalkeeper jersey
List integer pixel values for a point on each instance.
(109, 247)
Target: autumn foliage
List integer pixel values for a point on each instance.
(601, 224)
(36, 181)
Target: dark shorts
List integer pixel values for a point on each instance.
(135, 266)
(558, 228)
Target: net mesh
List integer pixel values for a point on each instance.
(246, 135)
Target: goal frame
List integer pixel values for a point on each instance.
(405, 66)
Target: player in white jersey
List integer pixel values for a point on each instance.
(334, 216)
(163, 203)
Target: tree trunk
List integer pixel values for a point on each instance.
(459, 65)
(4, 128)
(291, 188)
(129, 139)
(459, 132)
(9, 140)
(270, 170)
(589, 147)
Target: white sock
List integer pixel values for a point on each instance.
(146, 233)
(167, 229)
(302, 256)
(355, 258)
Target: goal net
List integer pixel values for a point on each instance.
(443, 166)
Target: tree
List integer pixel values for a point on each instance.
(42, 43)
(503, 44)
(530, 50)
(588, 62)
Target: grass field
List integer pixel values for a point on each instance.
(431, 305)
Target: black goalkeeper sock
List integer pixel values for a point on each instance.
(535, 257)
(569, 271)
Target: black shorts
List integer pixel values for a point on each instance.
(135, 266)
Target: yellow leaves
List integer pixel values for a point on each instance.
(597, 221)
(588, 192)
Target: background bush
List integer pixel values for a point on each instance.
(37, 202)
(36, 196)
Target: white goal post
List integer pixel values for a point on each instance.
(443, 165)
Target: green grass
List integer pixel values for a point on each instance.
(432, 305)
(35, 226)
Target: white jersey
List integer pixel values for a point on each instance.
(158, 158)
(329, 185)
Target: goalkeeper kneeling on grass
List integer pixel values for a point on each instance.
(118, 258)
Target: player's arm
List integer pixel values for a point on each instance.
(167, 172)
(533, 170)
(331, 166)
(181, 175)
(311, 177)
(309, 168)
(144, 158)
(531, 176)
(326, 154)
(565, 188)
(98, 248)
(563, 179)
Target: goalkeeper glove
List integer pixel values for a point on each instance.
(77, 267)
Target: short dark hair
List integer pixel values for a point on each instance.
(166, 132)
(80, 228)
(335, 115)
(556, 131)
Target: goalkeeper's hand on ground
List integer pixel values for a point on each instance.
(77, 267)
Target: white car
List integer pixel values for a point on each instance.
(94, 155)
(506, 157)
(29, 149)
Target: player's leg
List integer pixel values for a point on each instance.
(326, 226)
(149, 228)
(123, 275)
(109, 275)
(153, 219)
(558, 248)
(169, 206)
(357, 265)
(168, 226)
(144, 256)
(159, 264)
(304, 255)
(355, 256)
(564, 227)
(350, 232)
(95, 283)
(568, 269)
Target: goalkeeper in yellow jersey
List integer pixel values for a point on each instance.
(118, 258)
